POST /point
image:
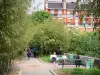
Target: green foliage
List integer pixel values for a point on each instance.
(93, 71)
(40, 16)
(50, 35)
(85, 43)
(45, 58)
(15, 31)
(67, 70)
(79, 71)
(75, 71)
(92, 8)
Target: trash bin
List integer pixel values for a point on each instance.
(89, 63)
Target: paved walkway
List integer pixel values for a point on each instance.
(35, 67)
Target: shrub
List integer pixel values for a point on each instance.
(46, 58)
(93, 71)
(77, 71)
(97, 63)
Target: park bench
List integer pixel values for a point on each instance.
(86, 61)
(58, 57)
(62, 62)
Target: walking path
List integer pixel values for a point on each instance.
(34, 67)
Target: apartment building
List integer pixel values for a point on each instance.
(63, 10)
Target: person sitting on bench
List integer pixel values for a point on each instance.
(64, 57)
(54, 57)
(77, 61)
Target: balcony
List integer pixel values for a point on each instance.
(67, 16)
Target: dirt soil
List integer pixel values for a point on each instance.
(13, 73)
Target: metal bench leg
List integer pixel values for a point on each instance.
(63, 64)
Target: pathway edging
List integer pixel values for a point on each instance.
(40, 60)
(20, 72)
(53, 72)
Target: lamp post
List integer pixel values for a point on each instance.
(92, 21)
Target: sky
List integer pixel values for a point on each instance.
(36, 5)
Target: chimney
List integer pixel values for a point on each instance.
(64, 4)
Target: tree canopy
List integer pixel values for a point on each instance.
(93, 9)
(15, 26)
(40, 16)
(49, 36)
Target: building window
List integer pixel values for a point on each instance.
(59, 12)
(52, 11)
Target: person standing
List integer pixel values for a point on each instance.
(28, 53)
(34, 52)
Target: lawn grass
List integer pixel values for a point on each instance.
(67, 70)
(79, 71)
(45, 58)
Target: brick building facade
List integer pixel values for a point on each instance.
(63, 10)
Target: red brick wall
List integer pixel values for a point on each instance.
(72, 21)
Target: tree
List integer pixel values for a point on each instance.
(49, 36)
(92, 7)
(14, 29)
(95, 9)
(85, 43)
(40, 16)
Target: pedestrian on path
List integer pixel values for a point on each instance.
(28, 53)
(34, 51)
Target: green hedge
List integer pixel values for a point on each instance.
(45, 58)
(79, 71)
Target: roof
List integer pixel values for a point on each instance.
(70, 5)
(55, 5)
(60, 6)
